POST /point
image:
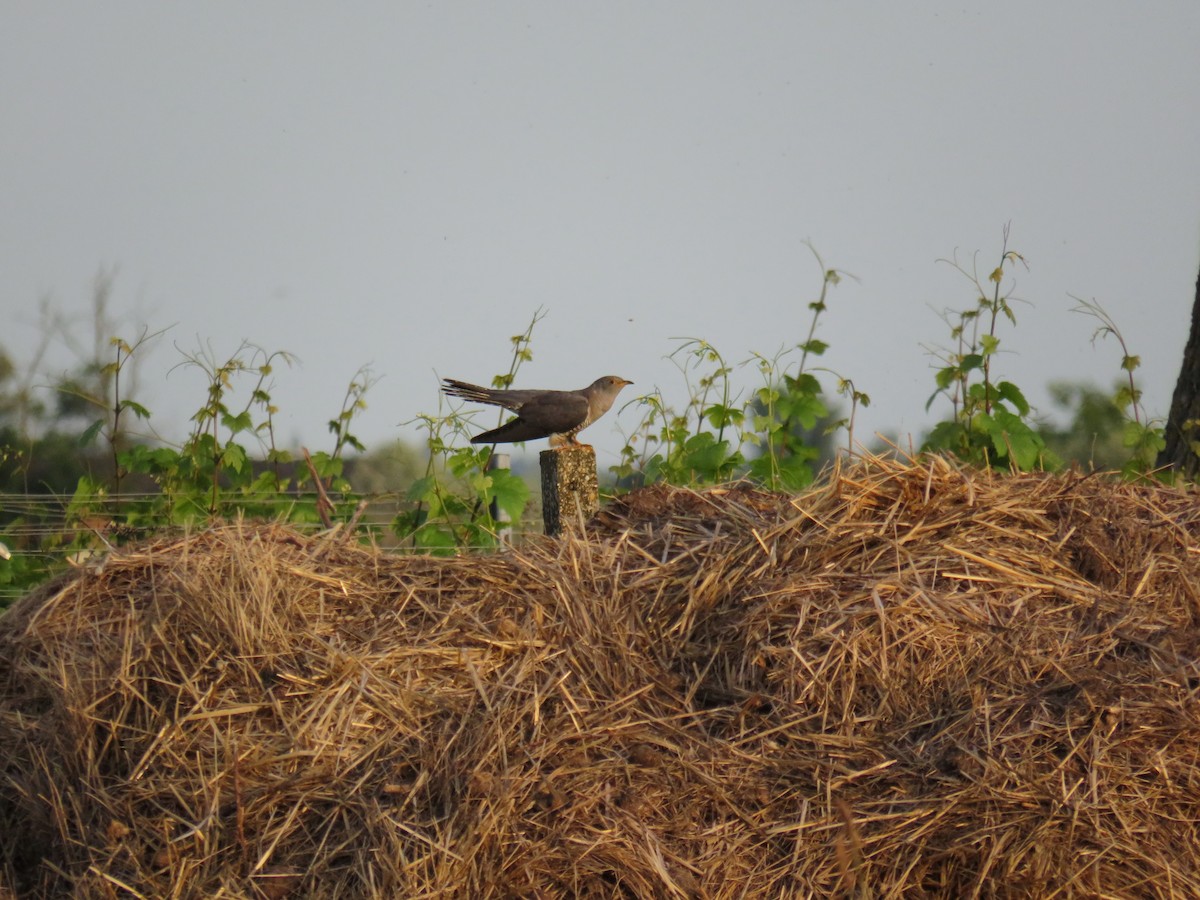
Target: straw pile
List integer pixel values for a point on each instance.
(914, 682)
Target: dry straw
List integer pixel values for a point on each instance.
(917, 681)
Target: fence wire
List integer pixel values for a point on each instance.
(42, 529)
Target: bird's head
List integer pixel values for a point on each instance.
(609, 384)
(603, 391)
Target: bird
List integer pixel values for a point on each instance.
(558, 415)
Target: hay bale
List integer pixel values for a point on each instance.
(915, 681)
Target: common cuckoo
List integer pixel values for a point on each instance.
(558, 415)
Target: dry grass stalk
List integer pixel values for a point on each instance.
(915, 681)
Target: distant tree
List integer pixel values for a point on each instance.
(42, 412)
(392, 467)
(1182, 450)
(36, 456)
(51, 464)
(22, 408)
(1093, 436)
(7, 401)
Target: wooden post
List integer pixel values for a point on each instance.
(570, 488)
(500, 516)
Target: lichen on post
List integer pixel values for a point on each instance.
(570, 488)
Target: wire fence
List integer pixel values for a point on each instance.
(39, 516)
(42, 532)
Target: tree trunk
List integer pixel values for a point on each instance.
(1183, 424)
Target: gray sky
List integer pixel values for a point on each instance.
(403, 184)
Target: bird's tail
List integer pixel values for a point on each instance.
(464, 390)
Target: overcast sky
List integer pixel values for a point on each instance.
(402, 185)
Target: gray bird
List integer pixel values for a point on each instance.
(558, 415)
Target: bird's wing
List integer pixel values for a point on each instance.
(549, 412)
(514, 430)
(555, 412)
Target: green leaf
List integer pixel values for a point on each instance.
(136, 408)
(327, 466)
(990, 342)
(1012, 437)
(969, 362)
(790, 473)
(705, 456)
(266, 482)
(203, 445)
(238, 423)
(438, 540)
(510, 492)
(90, 433)
(815, 347)
(948, 436)
(721, 416)
(944, 378)
(420, 489)
(480, 482)
(795, 473)
(1131, 435)
(804, 383)
(148, 460)
(1145, 439)
(763, 469)
(188, 510)
(767, 396)
(766, 425)
(234, 457)
(1010, 392)
(803, 408)
(465, 460)
(409, 521)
